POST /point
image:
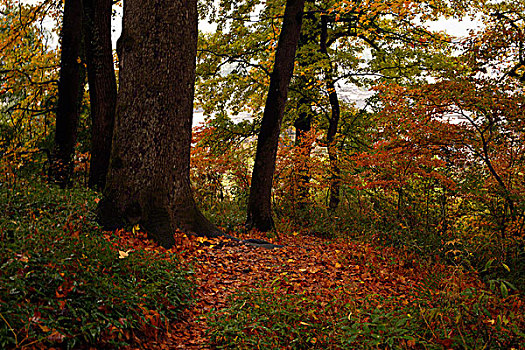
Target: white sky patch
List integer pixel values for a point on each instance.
(116, 25)
(458, 28)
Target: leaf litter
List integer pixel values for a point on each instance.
(315, 267)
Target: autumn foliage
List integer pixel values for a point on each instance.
(424, 249)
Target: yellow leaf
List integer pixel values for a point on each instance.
(337, 265)
(506, 267)
(44, 328)
(136, 229)
(123, 254)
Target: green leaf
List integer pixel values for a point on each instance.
(504, 290)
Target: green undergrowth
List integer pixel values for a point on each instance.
(499, 260)
(430, 318)
(64, 282)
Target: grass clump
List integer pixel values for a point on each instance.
(64, 282)
(262, 319)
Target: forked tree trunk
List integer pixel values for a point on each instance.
(259, 202)
(69, 93)
(148, 181)
(102, 86)
(335, 179)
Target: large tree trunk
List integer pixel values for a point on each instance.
(335, 179)
(259, 202)
(102, 86)
(148, 180)
(69, 93)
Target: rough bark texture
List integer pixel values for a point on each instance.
(69, 93)
(102, 86)
(259, 202)
(335, 182)
(148, 180)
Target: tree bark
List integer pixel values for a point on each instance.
(305, 114)
(102, 86)
(259, 202)
(69, 93)
(335, 180)
(303, 125)
(148, 180)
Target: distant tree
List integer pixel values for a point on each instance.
(341, 42)
(148, 180)
(499, 46)
(259, 202)
(69, 93)
(333, 121)
(28, 72)
(102, 86)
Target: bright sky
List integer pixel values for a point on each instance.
(455, 27)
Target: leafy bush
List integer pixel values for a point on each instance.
(64, 281)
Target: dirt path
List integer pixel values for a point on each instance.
(351, 270)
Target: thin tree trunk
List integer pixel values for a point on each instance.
(259, 203)
(102, 86)
(335, 180)
(69, 93)
(148, 180)
(303, 122)
(303, 125)
(506, 193)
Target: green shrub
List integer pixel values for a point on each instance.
(64, 281)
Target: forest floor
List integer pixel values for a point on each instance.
(367, 282)
(66, 283)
